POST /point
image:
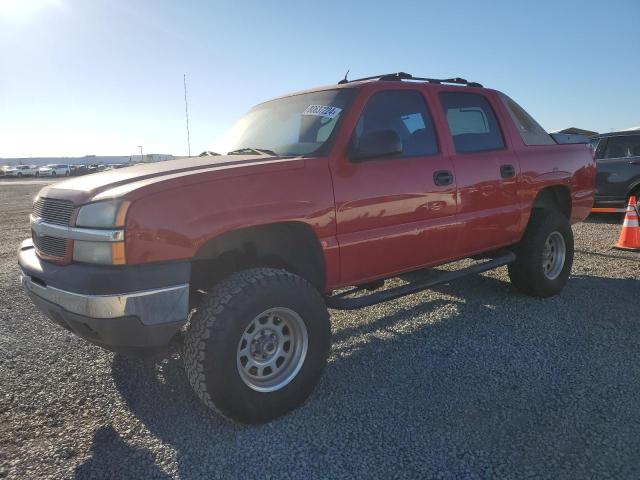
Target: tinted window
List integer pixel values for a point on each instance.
(600, 144)
(634, 146)
(472, 122)
(530, 131)
(622, 146)
(405, 112)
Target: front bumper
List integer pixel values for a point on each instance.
(132, 308)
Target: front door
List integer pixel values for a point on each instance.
(397, 212)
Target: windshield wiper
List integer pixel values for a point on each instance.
(250, 150)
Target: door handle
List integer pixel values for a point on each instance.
(507, 171)
(442, 177)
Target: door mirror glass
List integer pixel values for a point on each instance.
(378, 143)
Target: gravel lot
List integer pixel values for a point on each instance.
(471, 380)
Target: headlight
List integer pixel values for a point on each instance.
(104, 253)
(107, 214)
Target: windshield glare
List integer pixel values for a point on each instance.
(290, 126)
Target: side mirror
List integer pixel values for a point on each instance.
(379, 143)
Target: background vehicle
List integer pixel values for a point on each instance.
(618, 159)
(77, 170)
(319, 191)
(19, 171)
(54, 170)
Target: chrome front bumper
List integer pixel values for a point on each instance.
(151, 307)
(136, 309)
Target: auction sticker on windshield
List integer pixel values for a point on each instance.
(322, 111)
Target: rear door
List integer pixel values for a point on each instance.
(486, 172)
(618, 160)
(394, 213)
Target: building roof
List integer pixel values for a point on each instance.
(577, 131)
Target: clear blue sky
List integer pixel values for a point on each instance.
(103, 76)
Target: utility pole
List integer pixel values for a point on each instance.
(141, 154)
(186, 111)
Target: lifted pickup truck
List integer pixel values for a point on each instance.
(318, 197)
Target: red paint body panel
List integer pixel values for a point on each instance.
(373, 219)
(391, 216)
(488, 209)
(201, 207)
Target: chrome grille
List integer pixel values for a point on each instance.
(50, 246)
(53, 211)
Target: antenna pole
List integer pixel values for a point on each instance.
(186, 111)
(344, 80)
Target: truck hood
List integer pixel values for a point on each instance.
(117, 182)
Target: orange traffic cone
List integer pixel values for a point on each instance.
(630, 233)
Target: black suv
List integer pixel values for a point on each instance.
(618, 159)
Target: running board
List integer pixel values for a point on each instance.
(343, 301)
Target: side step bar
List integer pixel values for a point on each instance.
(343, 301)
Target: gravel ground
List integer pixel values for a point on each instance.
(470, 380)
(26, 181)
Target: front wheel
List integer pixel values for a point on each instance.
(544, 256)
(257, 346)
(53, 173)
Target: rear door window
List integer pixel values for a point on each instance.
(472, 122)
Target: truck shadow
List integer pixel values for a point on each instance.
(489, 383)
(109, 454)
(616, 254)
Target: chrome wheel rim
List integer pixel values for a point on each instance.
(272, 349)
(553, 255)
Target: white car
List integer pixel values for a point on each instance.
(54, 170)
(19, 171)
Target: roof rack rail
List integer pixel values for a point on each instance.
(399, 76)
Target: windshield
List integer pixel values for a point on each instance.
(296, 125)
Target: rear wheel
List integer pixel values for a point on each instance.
(544, 256)
(256, 347)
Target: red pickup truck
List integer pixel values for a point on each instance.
(316, 198)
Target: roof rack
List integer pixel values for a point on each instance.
(399, 76)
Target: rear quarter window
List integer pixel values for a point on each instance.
(530, 131)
